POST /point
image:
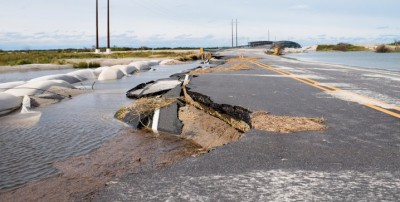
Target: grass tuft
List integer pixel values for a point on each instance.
(144, 106)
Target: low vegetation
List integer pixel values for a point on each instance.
(341, 47)
(144, 106)
(83, 65)
(382, 49)
(11, 58)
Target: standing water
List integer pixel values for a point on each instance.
(31, 143)
(389, 61)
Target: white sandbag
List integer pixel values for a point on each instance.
(126, 69)
(83, 75)
(9, 85)
(9, 103)
(140, 65)
(98, 70)
(110, 74)
(64, 77)
(37, 87)
(154, 62)
(170, 62)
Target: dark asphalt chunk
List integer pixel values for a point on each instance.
(169, 121)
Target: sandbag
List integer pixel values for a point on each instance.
(140, 65)
(126, 69)
(64, 77)
(9, 85)
(154, 62)
(98, 70)
(170, 62)
(9, 103)
(83, 75)
(110, 74)
(37, 87)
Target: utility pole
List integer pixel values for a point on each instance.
(108, 27)
(97, 27)
(236, 34)
(232, 32)
(268, 34)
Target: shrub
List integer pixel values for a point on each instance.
(94, 65)
(83, 65)
(382, 49)
(61, 62)
(23, 62)
(340, 47)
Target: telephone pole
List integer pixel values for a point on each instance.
(232, 32)
(236, 33)
(108, 27)
(97, 27)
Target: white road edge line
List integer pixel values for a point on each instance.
(156, 118)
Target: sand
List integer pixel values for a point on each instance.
(80, 177)
(285, 124)
(206, 130)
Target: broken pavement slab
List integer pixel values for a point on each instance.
(168, 120)
(153, 88)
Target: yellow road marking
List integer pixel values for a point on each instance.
(330, 88)
(383, 110)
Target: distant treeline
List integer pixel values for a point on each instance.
(395, 43)
(113, 49)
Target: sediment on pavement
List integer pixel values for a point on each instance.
(82, 176)
(285, 124)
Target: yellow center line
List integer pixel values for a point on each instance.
(329, 88)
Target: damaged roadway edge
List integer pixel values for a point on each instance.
(236, 116)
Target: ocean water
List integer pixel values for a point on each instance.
(388, 61)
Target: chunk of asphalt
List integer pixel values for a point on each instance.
(217, 62)
(169, 121)
(174, 93)
(132, 95)
(237, 112)
(182, 75)
(150, 89)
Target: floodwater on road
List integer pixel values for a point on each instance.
(31, 143)
(389, 61)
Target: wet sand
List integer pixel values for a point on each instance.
(80, 177)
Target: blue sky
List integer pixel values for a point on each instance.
(42, 24)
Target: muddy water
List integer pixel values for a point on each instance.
(31, 143)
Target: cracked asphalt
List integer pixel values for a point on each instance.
(357, 158)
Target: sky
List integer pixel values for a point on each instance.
(53, 24)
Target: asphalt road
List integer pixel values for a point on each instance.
(357, 158)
